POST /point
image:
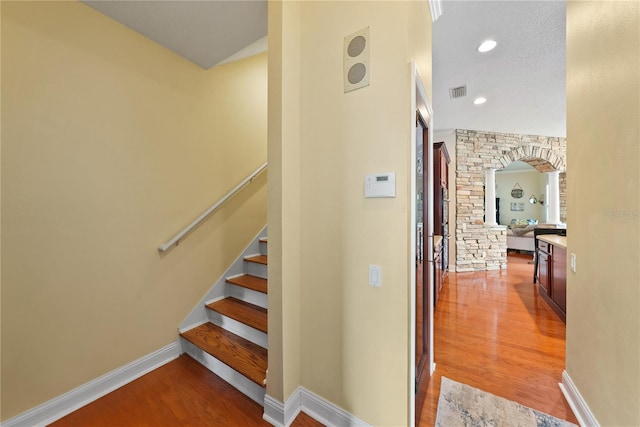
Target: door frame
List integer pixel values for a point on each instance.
(420, 104)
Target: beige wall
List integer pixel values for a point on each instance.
(0, 215)
(285, 279)
(111, 144)
(529, 181)
(603, 133)
(353, 339)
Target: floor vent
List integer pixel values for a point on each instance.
(458, 92)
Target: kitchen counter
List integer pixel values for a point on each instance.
(560, 241)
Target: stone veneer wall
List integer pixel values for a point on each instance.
(480, 246)
(563, 197)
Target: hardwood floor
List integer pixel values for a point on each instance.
(180, 393)
(493, 332)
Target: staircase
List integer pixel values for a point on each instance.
(232, 343)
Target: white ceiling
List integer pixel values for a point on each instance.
(205, 32)
(523, 78)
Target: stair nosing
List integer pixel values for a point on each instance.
(236, 281)
(227, 357)
(247, 306)
(257, 259)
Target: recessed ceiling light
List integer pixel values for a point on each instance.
(479, 100)
(487, 45)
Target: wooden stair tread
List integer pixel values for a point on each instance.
(244, 356)
(263, 239)
(260, 259)
(242, 311)
(250, 282)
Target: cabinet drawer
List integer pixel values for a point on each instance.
(544, 246)
(544, 272)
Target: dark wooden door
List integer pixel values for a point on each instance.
(423, 307)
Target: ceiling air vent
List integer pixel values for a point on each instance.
(458, 92)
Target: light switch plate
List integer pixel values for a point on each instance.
(375, 276)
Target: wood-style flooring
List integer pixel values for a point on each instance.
(492, 331)
(180, 393)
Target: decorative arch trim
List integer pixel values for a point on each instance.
(542, 159)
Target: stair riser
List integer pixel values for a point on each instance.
(237, 380)
(255, 269)
(263, 248)
(244, 294)
(238, 328)
(238, 268)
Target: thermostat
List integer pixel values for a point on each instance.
(380, 185)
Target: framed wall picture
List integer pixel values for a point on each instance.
(517, 206)
(517, 191)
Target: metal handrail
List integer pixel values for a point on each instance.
(175, 240)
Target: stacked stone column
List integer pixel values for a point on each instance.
(480, 245)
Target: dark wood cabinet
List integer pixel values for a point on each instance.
(552, 274)
(440, 213)
(440, 188)
(544, 265)
(438, 270)
(559, 274)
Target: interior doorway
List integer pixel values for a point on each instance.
(420, 262)
(423, 307)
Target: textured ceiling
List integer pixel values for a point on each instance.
(523, 78)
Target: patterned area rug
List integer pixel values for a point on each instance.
(462, 405)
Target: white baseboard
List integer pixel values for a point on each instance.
(323, 411)
(273, 411)
(64, 404)
(577, 403)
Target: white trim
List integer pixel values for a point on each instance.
(247, 295)
(435, 7)
(412, 241)
(66, 403)
(326, 412)
(243, 330)
(252, 390)
(302, 400)
(577, 403)
(273, 411)
(192, 326)
(282, 414)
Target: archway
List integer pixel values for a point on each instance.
(481, 244)
(542, 160)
